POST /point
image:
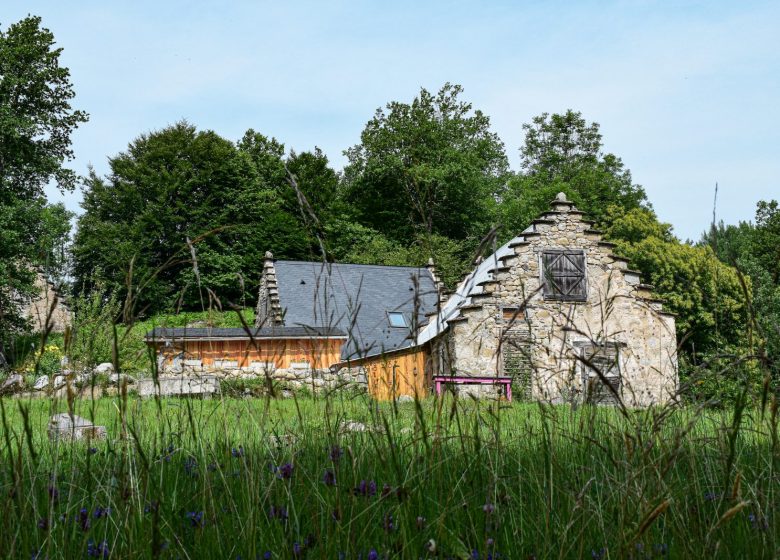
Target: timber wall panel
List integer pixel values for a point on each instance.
(400, 373)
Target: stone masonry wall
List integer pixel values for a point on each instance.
(619, 310)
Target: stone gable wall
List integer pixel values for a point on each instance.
(619, 309)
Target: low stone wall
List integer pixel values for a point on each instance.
(294, 378)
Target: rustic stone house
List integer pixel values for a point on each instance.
(562, 315)
(554, 311)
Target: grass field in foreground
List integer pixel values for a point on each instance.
(261, 478)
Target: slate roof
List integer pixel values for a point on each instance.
(356, 299)
(241, 333)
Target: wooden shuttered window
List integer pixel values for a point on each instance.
(564, 275)
(601, 359)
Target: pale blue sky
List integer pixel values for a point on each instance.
(687, 93)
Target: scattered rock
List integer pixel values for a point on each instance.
(283, 440)
(74, 428)
(116, 378)
(352, 426)
(12, 383)
(287, 394)
(106, 367)
(58, 381)
(41, 383)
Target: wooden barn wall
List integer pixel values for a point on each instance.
(318, 353)
(400, 373)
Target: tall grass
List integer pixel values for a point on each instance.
(441, 478)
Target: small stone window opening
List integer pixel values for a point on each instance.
(564, 275)
(601, 358)
(397, 319)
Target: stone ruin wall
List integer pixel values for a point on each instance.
(38, 309)
(619, 309)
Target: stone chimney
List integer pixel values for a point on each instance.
(269, 307)
(431, 266)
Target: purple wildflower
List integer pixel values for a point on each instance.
(278, 512)
(365, 488)
(297, 549)
(101, 512)
(598, 554)
(237, 452)
(420, 522)
(711, 496)
(43, 524)
(335, 453)
(373, 555)
(386, 490)
(97, 550)
(285, 471)
(329, 478)
(54, 494)
(387, 523)
(83, 519)
(758, 522)
(151, 506)
(92, 450)
(191, 466)
(488, 508)
(196, 518)
(267, 555)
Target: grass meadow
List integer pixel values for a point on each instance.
(440, 478)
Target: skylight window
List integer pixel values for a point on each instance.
(396, 319)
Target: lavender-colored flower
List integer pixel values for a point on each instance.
(490, 542)
(488, 508)
(278, 512)
(297, 549)
(329, 478)
(759, 523)
(365, 488)
(191, 466)
(196, 518)
(38, 555)
(711, 496)
(598, 554)
(475, 554)
(54, 494)
(420, 522)
(92, 450)
(373, 555)
(335, 453)
(83, 519)
(267, 555)
(100, 550)
(101, 512)
(43, 524)
(285, 471)
(237, 452)
(387, 523)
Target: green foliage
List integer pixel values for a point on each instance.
(563, 153)
(707, 295)
(184, 217)
(92, 337)
(431, 165)
(36, 122)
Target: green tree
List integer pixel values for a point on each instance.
(183, 212)
(706, 295)
(432, 165)
(36, 123)
(563, 152)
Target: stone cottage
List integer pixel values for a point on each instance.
(48, 308)
(555, 309)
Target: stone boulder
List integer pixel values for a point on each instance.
(58, 382)
(119, 378)
(105, 367)
(179, 386)
(12, 383)
(41, 383)
(65, 427)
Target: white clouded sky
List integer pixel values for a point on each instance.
(686, 93)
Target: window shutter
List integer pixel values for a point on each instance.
(603, 358)
(564, 275)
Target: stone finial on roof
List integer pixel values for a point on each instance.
(269, 285)
(431, 266)
(561, 203)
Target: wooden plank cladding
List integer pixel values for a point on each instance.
(318, 353)
(403, 372)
